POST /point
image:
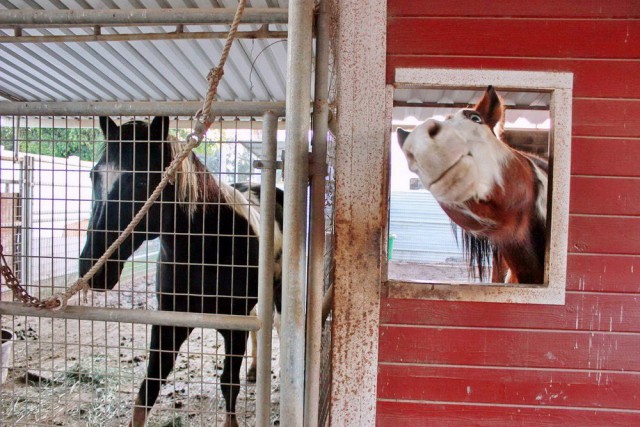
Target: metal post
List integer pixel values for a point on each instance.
(265, 267)
(148, 317)
(26, 197)
(292, 345)
(316, 219)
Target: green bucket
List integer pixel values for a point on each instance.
(392, 238)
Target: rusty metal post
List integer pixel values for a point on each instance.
(294, 278)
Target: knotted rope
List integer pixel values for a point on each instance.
(204, 120)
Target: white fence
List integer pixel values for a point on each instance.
(55, 201)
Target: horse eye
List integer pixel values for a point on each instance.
(475, 118)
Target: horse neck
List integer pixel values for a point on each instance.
(525, 258)
(510, 219)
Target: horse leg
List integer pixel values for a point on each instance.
(165, 343)
(235, 343)
(253, 369)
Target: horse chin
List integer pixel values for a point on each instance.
(458, 183)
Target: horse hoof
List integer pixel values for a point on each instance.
(139, 417)
(231, 421)
(251, 375)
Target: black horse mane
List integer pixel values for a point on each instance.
(477, 251)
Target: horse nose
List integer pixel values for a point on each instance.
(433, 128)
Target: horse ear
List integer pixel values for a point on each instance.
(490, 108)
(402, 136)
(109, 128)
(159, 128)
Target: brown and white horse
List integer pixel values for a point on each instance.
(496, 194)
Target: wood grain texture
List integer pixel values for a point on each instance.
(582, 312)
(533, 387)
(488, 37)
(510, 348)
(441, 414)
(518, 9)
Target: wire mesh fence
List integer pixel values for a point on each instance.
(87, 372)
(325, 361)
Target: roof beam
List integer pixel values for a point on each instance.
(262, 33)
(21, 18)
(153, 108)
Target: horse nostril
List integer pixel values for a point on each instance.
(433, 128)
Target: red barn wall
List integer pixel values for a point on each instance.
(461, 364)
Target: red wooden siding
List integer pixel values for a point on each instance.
(559, 38)
(510, 386)
(620, 80)
(443, 414)
(598, 273)
(605, 157)
(616, 196)
(481, 364)
(516, 9)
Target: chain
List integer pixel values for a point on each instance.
(205, 119)
(18, 291)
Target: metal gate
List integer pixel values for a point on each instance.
(83, 365)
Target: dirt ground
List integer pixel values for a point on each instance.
(87, 373)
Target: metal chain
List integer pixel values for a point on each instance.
(205, 119)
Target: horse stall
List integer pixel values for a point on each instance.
(420, 340)
(142, 228)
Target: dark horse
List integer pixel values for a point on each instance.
(208, 234)
(496, 194)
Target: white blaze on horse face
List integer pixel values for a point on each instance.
(461, 161)
(110, 174)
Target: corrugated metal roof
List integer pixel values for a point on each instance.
(415, 105)
(163, 70)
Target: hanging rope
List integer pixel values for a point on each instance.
(204, 120)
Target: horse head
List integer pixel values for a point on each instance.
(489, 189)
(460, 158)
(128, 171)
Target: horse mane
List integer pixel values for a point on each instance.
(477, 251)
(196, 185)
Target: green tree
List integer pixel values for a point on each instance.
(85, 143)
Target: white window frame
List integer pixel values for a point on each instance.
(560, 86)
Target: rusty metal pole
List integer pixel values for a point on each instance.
(296, 177)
